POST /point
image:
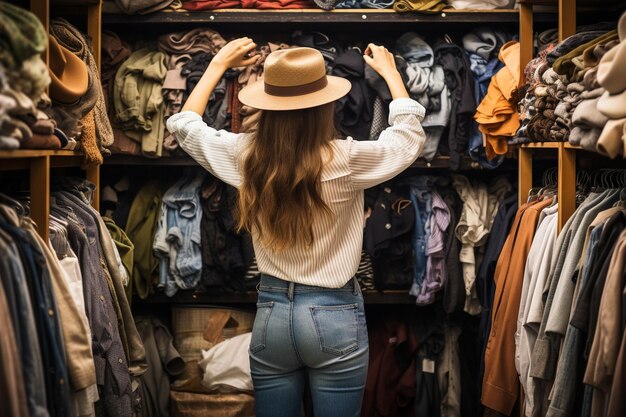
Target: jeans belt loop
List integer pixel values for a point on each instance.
(291, 289)
(355, 286)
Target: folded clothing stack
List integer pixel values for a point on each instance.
(565, 98)
(74, 114)
(496, 114)
(447, 78)
(612, 103)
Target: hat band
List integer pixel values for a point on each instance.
(296, 90)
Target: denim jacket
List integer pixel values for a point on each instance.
(177, 238)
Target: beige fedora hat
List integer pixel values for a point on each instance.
(294, 79)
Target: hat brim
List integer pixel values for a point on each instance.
(254, 95)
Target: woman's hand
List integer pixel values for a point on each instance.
(233, 54)
(383, 62)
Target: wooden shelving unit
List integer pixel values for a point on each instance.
(567, 154)
(39, 163)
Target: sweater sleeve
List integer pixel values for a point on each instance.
(376, 161)
(215, 150)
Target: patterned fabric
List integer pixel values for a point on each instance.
(379, 119)
(365, 273)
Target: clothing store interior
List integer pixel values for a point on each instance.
(492, 269)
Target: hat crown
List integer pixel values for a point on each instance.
(58, 62)
(294, 67)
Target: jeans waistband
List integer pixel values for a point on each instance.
(273, 284)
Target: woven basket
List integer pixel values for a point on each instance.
(196, 329)
(187, 404)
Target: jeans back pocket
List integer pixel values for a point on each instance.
(336, 328)
(259, 328)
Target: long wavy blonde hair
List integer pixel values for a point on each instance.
(282, 168)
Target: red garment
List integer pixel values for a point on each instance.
(234, 105)
(38, 141)
(211, 4)
(391, 378)
(278, 4)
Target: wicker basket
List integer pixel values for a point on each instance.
(196, 329)
(187, 404)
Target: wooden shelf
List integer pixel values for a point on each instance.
(541, 145)
(551, 145)
(320, 16)
(34, 153)
(568, 145)
(121, 159)
(199, 298)
(439, 162)
(19, 159)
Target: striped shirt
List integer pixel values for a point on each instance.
(334, 256)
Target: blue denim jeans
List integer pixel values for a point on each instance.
(421, 198)
(302, 333)
(177, 238)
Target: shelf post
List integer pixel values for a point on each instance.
(567, 19)
(525, 37)
(94, 29)
(567, 184)
(524, 174)
(93, 175)
(41, 9)
(40, 193)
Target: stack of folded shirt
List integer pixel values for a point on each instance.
(497, 114)
(140, 6)
(23, 75)
(562, 89)
(211, 4)
(545, 103)
(586, 120)
(427, 85)
(481, 4)
(459, 81)
(571, 68)
(181, 48)
(482, 46)
(90, 105)
(611, 70)
(532, 73)
(424, 6)
(24, 79)
(138, 100)
(277, 4)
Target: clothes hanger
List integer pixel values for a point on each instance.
(550, 181)
(16, 205)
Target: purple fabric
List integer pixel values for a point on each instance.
(435, 277)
